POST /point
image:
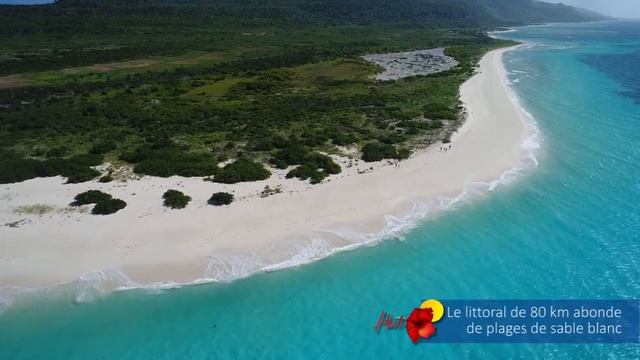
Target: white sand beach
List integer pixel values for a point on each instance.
(147, 243)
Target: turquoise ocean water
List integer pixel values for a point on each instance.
(569, 228)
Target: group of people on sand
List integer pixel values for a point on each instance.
(445, 148)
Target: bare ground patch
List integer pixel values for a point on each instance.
(13, 81)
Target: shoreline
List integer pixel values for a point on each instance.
(148, 245)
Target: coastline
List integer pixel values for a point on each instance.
(147, 244)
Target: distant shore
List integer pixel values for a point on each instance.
(146, 243)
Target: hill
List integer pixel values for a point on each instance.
(430, 13)
(83, 32)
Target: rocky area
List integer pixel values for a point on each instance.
(405, 64)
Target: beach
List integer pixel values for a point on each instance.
(147, 243)
(563, 226)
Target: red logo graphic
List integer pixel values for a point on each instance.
(419, 324)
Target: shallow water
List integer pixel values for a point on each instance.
(566, 229)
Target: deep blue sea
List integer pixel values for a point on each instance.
(567, 229)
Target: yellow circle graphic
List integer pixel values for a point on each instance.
(436, 306)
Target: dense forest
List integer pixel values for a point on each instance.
(76, 32)
(447, 13)
(179, 87)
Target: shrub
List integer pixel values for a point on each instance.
(280, 142)
(262, 85)
(175, 199)
(106, 178)
(315, 139)
(278, 164)
(439, 111)
(167, 163)
(163, 142)
(105, 203)
(103, 147)
(342, 139)
(403, 154)
(374, 151)
(294, 154)
(86, 159)
(77, 168)
(307, 171)
(91, 197)
(241, 170)
(324, 163)
(16, 170)
(78, 174)
(38, 152)
(108, 207)
(58, 151)
(263, 144)
(436, 124)
(392, 139)
(137, 155)
(220, 198)
(51, 167)
(316, 167)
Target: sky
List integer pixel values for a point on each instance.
(615, 8)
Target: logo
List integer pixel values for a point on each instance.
(419, 324)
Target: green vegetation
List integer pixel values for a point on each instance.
(268, 191)
(176, 87)
(374, 151)
(35, 209)
(14, 168)
(220, 199)
(91, 197)
(316, 167)
(103, 147)
(108, 207)
(289, 154)
(241, 170)
(106, 178)
(86, 32)
(175, 199)
(167, 163)
(105, 204)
